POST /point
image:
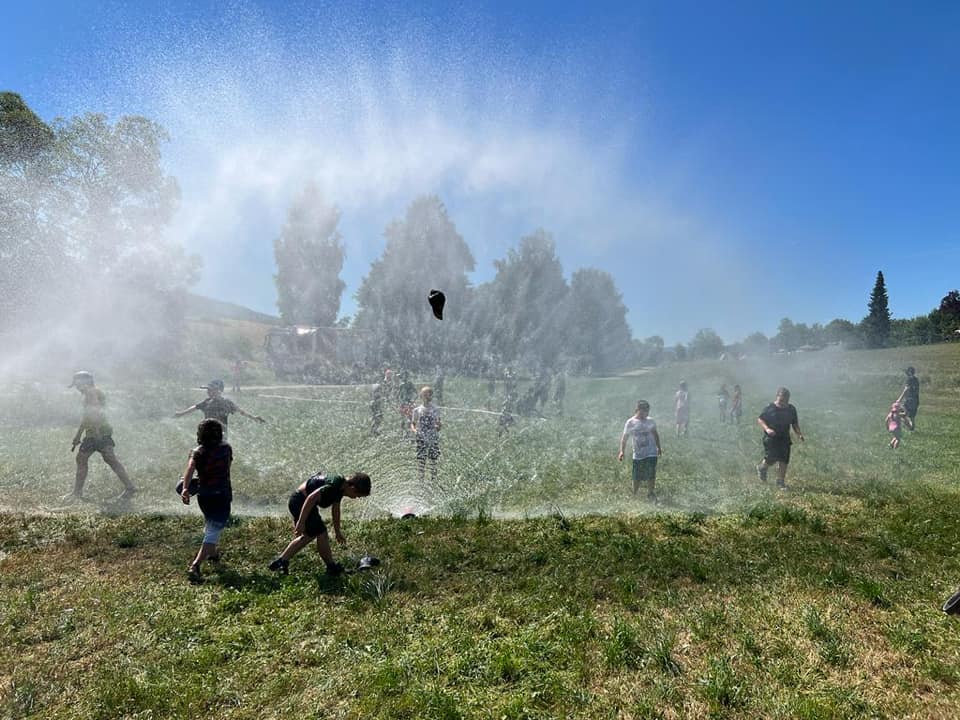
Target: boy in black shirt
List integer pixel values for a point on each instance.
(319, 491)
(218, 407)
(775, 421)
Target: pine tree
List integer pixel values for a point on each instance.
(876, 326)
(309, 255)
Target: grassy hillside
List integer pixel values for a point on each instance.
(536, 586)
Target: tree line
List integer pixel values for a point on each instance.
(85, 202)
(528, 316)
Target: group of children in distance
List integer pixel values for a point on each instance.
(776, 421)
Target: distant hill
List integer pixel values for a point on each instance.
(204, 308)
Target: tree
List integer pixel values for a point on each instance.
(706, 345)
(526, 301)
(309, 255)
(594, 327)
(756, 344)
(949, 314)
(423, 251)
(842, 331)
(84, 205)
(23, 135)
(876, 325)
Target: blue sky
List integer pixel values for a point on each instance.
(729, 163)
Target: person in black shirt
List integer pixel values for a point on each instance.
(910, 397)
(775, 421)
(211, 461)
(218, 407)
(319, 491)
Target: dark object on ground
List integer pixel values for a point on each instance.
(952, 605)
(334, 569)
(437, 300)
(280, 565)
(367, 562)
(408, 516)
(194, 486)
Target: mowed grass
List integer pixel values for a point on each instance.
(535, 586)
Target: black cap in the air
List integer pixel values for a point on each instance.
(437, 300)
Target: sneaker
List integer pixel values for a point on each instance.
(762, 472)
(781, 485)
(193, 574)
(215, 558)
(280, 565)
(334, 569)
(128, 493)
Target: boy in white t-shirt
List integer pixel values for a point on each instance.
(425, 423)
(646, 448)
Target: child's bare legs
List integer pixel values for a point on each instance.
(323, 547)
(110, 458)
(298, 543)
(207, 550)
(781, 474)
(83, 465)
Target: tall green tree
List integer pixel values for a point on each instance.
(594, 323)
(309, 254)
(423, 251)
(526, 303)
(876, 325)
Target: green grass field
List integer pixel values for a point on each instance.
(533, 584)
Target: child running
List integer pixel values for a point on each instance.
(319, 491)
(425, 424)
(776, 420)
(646, 448)
(211, 461)
(97, 436)
(895, 420)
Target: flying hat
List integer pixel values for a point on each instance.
(81, 377)
(436, 300)
(213, 385)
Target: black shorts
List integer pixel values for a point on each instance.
(910, 406)
(215, 507)
(776, 450)
(427, 449)
(315, 525)
(96, 444)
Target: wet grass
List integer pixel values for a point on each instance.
(728, 599)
